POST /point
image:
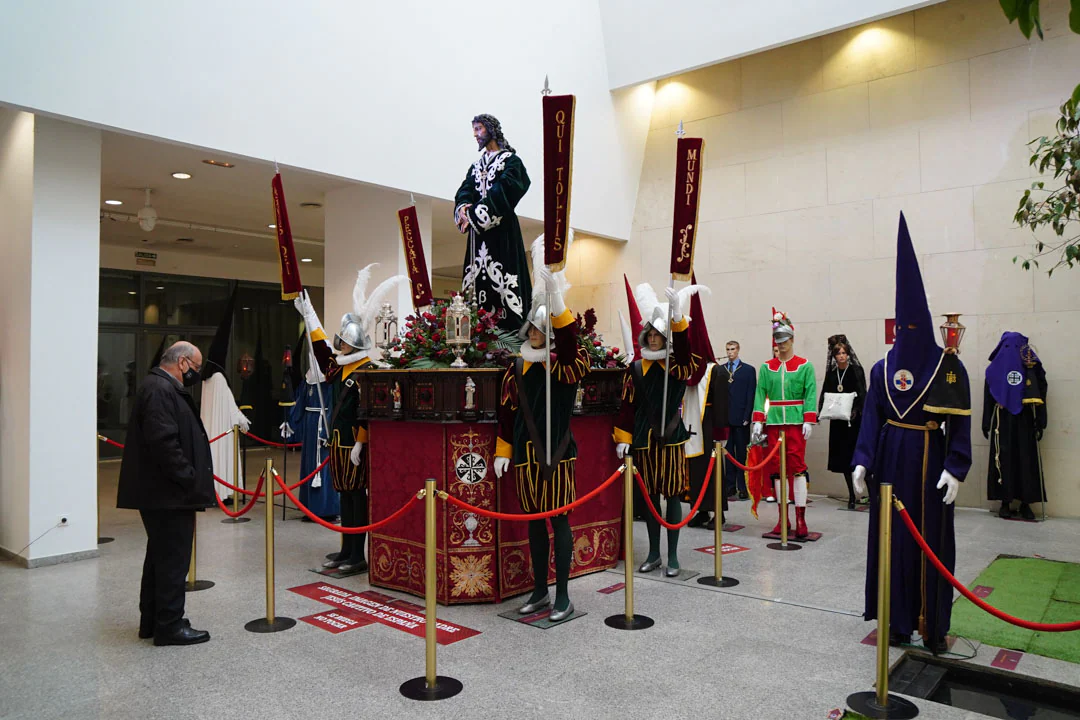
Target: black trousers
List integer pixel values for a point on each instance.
(169, 534)
(734, 478)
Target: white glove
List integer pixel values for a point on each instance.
(286, 431)
(858, 479)
(757, 433)
(621, 449)
(556, 304)
(245, 422)
(807, 430)
(675, 304)
(354, 454)
(302, 303)
(951, 485)
(502, 464)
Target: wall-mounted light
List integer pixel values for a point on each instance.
(272, 226)
(305, 259)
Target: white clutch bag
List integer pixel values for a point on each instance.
(837, 406)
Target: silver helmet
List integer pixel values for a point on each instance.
(538, 318)
(352, 333)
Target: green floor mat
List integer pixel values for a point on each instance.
(1024, 588)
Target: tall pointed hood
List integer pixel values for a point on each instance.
(700, 344)
(915, 350)
(219, 347)
(634, 315)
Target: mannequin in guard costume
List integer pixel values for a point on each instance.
(522, 428)
(659, 453)
(787, 382)
(306, 417)
(910, 396)
(498, 274)
(1014, 417)
(348, 435)
(218, 409)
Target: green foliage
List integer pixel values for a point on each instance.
(423, 344)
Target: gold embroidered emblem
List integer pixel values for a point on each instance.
(950, 378)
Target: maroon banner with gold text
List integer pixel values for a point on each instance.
(558, 169)
(290, 272)
(409, 225)
(687, 193)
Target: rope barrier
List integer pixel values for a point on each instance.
(221, 436)
(532, 516)
(348, 530)
(107, 441)
(258, 439)
(982, 604)
(298, 483)
(753, 468)
(250, 503)
(693, 511)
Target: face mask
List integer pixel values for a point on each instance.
(190, 376)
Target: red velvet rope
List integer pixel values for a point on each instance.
(221, 436)
(753, 468)
(258, 439)
(693, 510)
(250, 503)
(533, 516)
(107, 441)
(298, 483)
(346, 530)
(1000, 615)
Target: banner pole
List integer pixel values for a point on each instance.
(272, 622)
(879, 703)
(431, 686)
(627, 620)
(718, 579)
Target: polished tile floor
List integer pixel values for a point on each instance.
(785, 643)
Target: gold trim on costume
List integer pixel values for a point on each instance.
(945, 411)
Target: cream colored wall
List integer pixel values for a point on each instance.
(813, 149)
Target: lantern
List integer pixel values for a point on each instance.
(385, 327)
(458, 331)
(952, 332)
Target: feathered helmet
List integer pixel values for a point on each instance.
(539, 317)
(353, 332)
(782, 328)
(654, 314)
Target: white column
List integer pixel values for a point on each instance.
(361, 227)
(50, 187)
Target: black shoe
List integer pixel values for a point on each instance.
(1025, 512)
(743, 495)
(937, 647)
(186, 635)
(896, 639)
(1005, 511)
(698, 520)
(147, 631)
(711, 525)
(353, 567)
(851, 503)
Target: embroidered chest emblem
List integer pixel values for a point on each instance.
(903, 380)
(1014, 378)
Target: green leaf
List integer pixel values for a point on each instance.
(1023, 17)
(1075, 100)
(1074, 25)
(1033, 13)
(1009, 7)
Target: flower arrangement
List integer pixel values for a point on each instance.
(423, 342)
(599, 355)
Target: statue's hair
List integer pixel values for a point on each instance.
(494, 128)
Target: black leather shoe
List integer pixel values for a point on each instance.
(1025, 512)
(358, 567)
(711, 525)
(186, 635)
(896, 639)
(147, 631)
(743, 495)
(936, 646)
(1005, 511)
(698, 520)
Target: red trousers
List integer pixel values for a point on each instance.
(795, 449)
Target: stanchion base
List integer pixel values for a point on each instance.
(781, 546)
(262, 626)
(724, 581)
(621, 622)
(898, 708)
(417, 688)
(103, 540)
(235, 521)
(198, 585)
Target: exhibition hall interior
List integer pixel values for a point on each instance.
(583, 359)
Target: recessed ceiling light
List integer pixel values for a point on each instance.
(160, 287)
(218, 163)
(131, 292)
(311, 205)
(182, 175)
(247, 308)
(272, 226)
(305, 259)
(114, 202)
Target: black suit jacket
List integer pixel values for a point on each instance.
(741, 395)
(166, 463)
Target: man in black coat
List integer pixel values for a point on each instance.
(167, 474)
(742, 384)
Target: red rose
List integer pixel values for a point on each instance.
(615, 350)
(481, 345)
(596, 343)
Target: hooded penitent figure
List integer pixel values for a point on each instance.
(218, 409)
(339, 363)
(1014, 417)
(522, 435)
(923, 450)
(658, 443)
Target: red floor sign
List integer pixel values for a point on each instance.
(724, 550)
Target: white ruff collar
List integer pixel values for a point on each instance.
(349, 359)
(653, 354)
(531, 354)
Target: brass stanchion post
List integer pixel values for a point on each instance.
(193, 584)
(628, 620)
(237, 469)
(272, 622)
(718, 579)
(431, 686)
(879, 703)
(782, 500)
